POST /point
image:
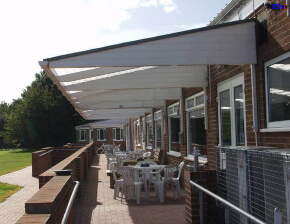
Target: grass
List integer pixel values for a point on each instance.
(12, 160)
(6, 190)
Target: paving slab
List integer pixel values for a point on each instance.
(14, 207)
(97, 205)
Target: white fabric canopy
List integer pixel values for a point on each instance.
(126, 80)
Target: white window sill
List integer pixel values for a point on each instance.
(201, 160)
(118, 140)
(82, 140)
(175, 154)
(275, 130)
(99, 140)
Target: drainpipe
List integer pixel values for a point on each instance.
(254, 102)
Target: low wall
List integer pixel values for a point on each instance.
(49, 203)
(207, 179)
(46, 158)
(78, 162)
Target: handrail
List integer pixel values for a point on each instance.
(70, 203)
(45, 153)
(225, 202)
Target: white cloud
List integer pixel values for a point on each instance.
(148, 3)
(33, 30)
(168, 5)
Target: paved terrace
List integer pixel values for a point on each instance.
(98, 206)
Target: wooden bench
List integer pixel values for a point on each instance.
(112, 181)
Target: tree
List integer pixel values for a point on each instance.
(42, 117)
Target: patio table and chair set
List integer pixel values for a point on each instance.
(133, 171)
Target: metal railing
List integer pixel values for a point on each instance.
(70, 203)
(277, 212)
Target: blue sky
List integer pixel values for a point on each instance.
(35, 29)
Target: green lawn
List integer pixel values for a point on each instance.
(6, 190)
(12, 160)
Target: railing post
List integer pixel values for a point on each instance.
(201, 207)
(227, 215)
(195, 158)
(277, 216)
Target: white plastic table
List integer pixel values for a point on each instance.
(147, 169)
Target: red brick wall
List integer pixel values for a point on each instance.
(278, 44)
(206, 179)
(41, 162)
(87, 137)
(109, 138)
(78, 162)
(170, 159)
(52, 206)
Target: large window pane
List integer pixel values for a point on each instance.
(138, 134)
(279, 91)
(174, 133)
(149, 133)
(197, 129)
(239, 116)
(158, 133)
(225, 118)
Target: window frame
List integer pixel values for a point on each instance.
(157, 117)
(230, 84)
(148, 121)
(121, 134)
(275, 124)
(85, 135)
(91, 135)
(175, 114)
(98, 134)
(188, 110)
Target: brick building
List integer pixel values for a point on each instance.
(103, 132)
(227, 84)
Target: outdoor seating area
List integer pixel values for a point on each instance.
(141, 173)
(101, 204)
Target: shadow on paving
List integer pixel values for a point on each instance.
(97, 205)
(154, 212)
(86, 204)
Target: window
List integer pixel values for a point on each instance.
(149, 126)
(278, 91)
(91, 136)
(158, 123)
(232, 112)
(173, 127)
(82, 135)
(195, 123)
(101, 134)
(117, 134)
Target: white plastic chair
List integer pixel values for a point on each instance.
(176, 180)
(118, 183)
(146, 155)
(101, 149)
(128, 174)
(161, 182)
